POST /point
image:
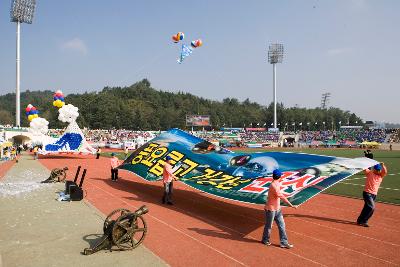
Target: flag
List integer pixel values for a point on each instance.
(340, 122)
(185, 52)
(316, 123)
(308, 123)
(285, 123)
(258, 124)
(293, 124)
(272, 124)
(300, 123)
(323, 123)
(265, 123)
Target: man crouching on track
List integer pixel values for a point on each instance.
(273, 212)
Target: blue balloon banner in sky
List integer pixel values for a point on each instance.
(243, 177)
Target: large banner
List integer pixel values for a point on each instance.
(197, 120)
(240, 176)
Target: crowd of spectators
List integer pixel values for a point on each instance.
(356, 135)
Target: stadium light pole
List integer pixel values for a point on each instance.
(21, 12)
(275, 55)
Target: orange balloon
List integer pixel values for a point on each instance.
(199, 43)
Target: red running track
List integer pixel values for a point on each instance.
(5, 166)
(208, 231)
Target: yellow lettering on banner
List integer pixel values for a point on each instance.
(228, 182)
(181, 171)
(144, 153)
(218, 179)
(176, 156)
(151, 147)
(158, 153)
(158, 168)
(205, 178)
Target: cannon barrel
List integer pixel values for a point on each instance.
(141, 211)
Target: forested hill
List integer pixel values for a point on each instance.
(139, 106)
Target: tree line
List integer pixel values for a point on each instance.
(141, 107)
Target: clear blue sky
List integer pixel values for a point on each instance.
(349, 48)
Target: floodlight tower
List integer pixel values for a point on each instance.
(325, 100)
(275, 55)
(21, 12)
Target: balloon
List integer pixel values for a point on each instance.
(30, 117)
(35, 116)
(29, 106)
(180, 36)
(27, 109)
(54, 103)
(55, 98)
(62, 99)
(175, 38)
(27, 113)
(58, 92)
(33, 108)
(199, 42)
(196, 43)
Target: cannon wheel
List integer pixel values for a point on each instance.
(131, 232)
(113, 216)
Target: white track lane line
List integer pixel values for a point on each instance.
(333, 228)
(174, 228)
(211, 222)
(346, 248)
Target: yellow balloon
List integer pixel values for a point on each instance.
(61, 104)
(54, 103)
(30, 117)
(35, 116)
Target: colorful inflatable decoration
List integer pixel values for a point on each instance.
(196, 43)
(31, 112)
(178, 37)
(186, 50)
(58, 99)
(242, 177)
(72, 141)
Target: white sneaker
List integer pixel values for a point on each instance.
(286, 246)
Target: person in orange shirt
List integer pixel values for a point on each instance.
(372, 183)
(114, 164)
(273, 212)
(168, 178)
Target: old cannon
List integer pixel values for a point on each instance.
(122, 228)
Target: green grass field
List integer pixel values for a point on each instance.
(353, 186)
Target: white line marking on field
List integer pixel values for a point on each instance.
(395, 189)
